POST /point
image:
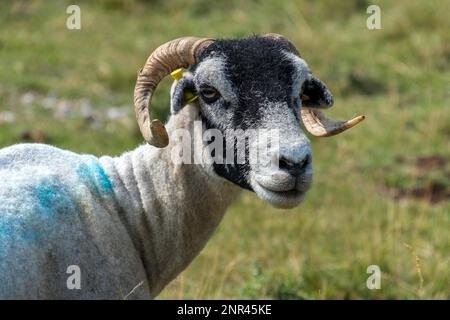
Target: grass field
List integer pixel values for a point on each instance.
(381, 193)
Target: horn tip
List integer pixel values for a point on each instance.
(353, 122)
(159, 137)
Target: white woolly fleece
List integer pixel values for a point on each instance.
(132, 222)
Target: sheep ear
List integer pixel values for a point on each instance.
(182, 93)
(315, 94)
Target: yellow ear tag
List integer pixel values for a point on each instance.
(177, 74)
(187, 95)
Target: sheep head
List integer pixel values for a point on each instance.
(253, 83)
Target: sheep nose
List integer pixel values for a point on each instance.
(294, 167)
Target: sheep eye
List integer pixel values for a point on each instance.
(209, 94)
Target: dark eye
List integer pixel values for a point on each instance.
(209, 94)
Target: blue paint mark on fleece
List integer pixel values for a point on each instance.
(53, 197)
(7, 232)
(41, 210)
(92, 173)
(6, 229)
(47, 196)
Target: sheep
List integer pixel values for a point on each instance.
(131, 224)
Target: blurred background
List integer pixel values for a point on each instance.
(381, 191)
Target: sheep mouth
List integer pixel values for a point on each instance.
(279, 199)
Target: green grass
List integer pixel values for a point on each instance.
(398, 76)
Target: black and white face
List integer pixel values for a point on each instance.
(255, 85)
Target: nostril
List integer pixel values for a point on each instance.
(285, 164)
(305, 162)
(294, 168)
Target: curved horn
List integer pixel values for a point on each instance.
(178, 53)
(315, 120)
(320, 125)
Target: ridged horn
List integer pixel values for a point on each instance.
(178, 53)
(315, 121)
(320, 125)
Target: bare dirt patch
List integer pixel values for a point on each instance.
(425, 177)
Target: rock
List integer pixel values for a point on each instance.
(28, 98)
(7, 117)
(115, 113)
